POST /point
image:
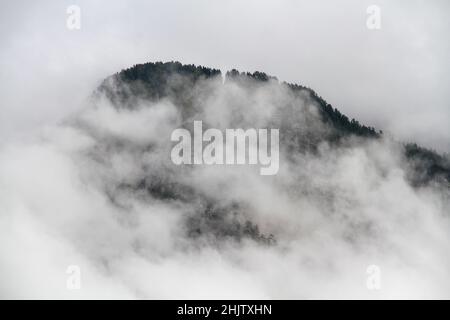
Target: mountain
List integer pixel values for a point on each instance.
(155, 81)
(308, 126)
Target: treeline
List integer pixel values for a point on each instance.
(154, 81)
(158, 80)
(158, 73)
(427, 165)
(339, 120)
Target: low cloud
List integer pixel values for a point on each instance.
(99, 191)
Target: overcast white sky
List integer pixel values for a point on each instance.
(395, 78)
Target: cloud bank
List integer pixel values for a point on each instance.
(99, 191)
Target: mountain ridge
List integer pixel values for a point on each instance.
(152, 80)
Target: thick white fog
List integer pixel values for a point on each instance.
(69, 197)
(70, 166)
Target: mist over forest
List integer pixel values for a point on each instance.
(99, 190)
